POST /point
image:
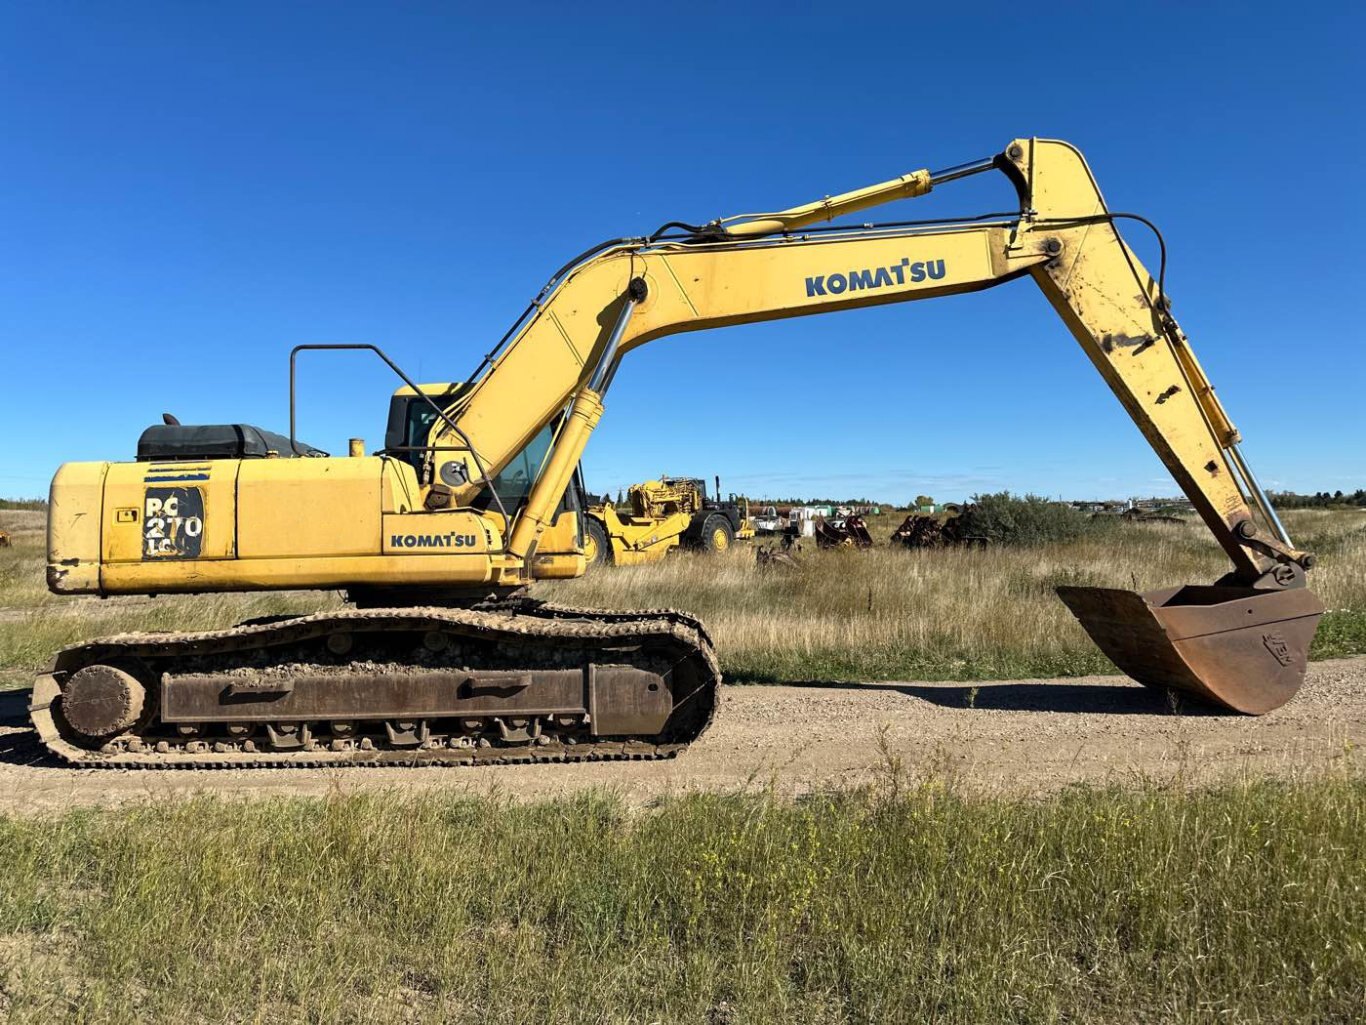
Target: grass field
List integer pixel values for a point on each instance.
(894, 614)
(914, 899)
(844, 615)
(904, 902)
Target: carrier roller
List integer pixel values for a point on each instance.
(385, 686)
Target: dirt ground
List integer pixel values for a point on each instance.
(1022, 736)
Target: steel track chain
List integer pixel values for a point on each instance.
(522, 618)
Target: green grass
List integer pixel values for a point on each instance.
(906, 902)
(1342, 632)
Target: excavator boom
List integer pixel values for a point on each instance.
(1065, 239)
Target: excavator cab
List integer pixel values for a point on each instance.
(410, 421)
(411, 417)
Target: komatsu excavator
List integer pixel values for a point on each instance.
(441, 660)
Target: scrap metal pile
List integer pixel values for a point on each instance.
(850, 532)
(919, 530)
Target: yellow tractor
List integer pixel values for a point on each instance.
(445, 660)
(664, 515)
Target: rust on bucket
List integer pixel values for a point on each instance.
(1237, 647)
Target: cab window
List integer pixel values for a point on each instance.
(513, 482)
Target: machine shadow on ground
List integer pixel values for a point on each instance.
(1112, 699)
(18, 741)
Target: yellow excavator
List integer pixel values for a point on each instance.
(435, 537)
(663, 516)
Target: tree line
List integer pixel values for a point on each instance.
(1318, 500)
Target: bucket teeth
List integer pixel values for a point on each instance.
(1234, 647)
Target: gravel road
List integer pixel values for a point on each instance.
(1024, 736)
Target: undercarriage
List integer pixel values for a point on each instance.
(529, 683)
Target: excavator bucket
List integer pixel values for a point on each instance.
(1235, 647)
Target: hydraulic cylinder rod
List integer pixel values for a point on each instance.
(583, 416)
(1258, 495)
(972, 167)
(917, 183)
(607, 364)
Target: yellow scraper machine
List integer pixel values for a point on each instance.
(442, 656)
(662, 516)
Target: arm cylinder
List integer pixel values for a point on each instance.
(917, 183)
(949, 174)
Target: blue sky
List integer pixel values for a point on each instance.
(191, 189)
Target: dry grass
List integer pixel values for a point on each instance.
(890, 613)
(911, 900)
(34, 623)
(884, 614)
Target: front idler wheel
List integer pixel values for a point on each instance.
(101, 701)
